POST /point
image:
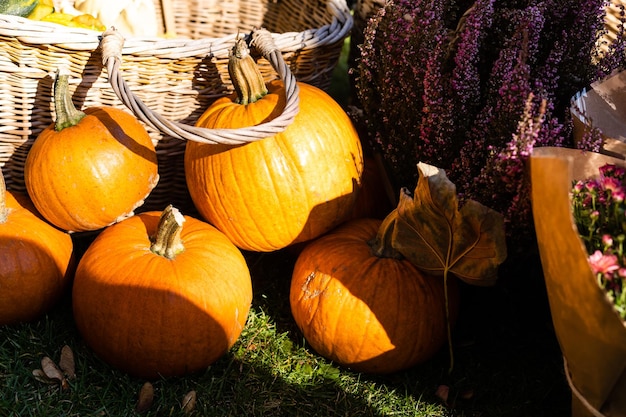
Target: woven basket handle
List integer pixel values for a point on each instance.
(111, 46)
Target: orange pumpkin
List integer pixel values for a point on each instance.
(368, 312)
(36, 260)
(280, 190)
(88, 170)
(154, 297)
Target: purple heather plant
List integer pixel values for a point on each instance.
(599, 208)
(472, 87)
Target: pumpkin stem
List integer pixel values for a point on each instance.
(381, 246)
(4, 212)
(166, 241)
(245, 75)
(66, 113)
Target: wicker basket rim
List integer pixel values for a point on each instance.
(48, 33)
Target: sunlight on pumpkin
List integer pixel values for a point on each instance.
(362, 320)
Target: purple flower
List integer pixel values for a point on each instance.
(474, 91)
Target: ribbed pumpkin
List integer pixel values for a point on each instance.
(36, 260)
(287, 188)
(161, 294)
(89, 169)
(365, 309)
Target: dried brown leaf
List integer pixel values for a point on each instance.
(189, 402)
(467, 394)
(443, 391)
(40, 376)
(437, 237)
(66, 363)
(146, 398)
(52, 372)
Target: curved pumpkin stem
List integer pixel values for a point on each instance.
(167, 240)
(245, 74)
(66, 113)
(4, 212)
(382, 245)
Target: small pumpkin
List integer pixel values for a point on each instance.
(89, 169)
(360, 305)
(36, 260)
(280, 190)
(155, 297)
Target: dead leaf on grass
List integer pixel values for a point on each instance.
(66, 363)
(52, 372)
(41, 376)
(189, 402)
(146, 398)
(443, 391)
(467, 394)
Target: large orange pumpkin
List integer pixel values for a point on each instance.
(36, 260)
(153, 296)
(284, 189)
(368, 312)
(88, 170)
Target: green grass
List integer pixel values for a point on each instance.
(505, 354)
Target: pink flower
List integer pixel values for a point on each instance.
(611, 170)
(607, 240)
(603, 264)
(579, 186)
(591, 185)
(618, 195)
(611, 183)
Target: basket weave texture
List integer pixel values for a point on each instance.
(176, 78)
(613, 22)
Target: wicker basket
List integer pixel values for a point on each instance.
(612, 23)
(176, 78)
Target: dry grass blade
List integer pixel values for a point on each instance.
(67, 363)
(146, 398)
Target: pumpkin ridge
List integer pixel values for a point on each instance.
(298, 183)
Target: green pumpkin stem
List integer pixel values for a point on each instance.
(66, 113)
(245, 75)
(381, 246)
(166, 241)
(4, 212)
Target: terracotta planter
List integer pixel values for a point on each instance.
(591, 335)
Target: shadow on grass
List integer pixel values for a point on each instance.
(507, 364)
(507, 361)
